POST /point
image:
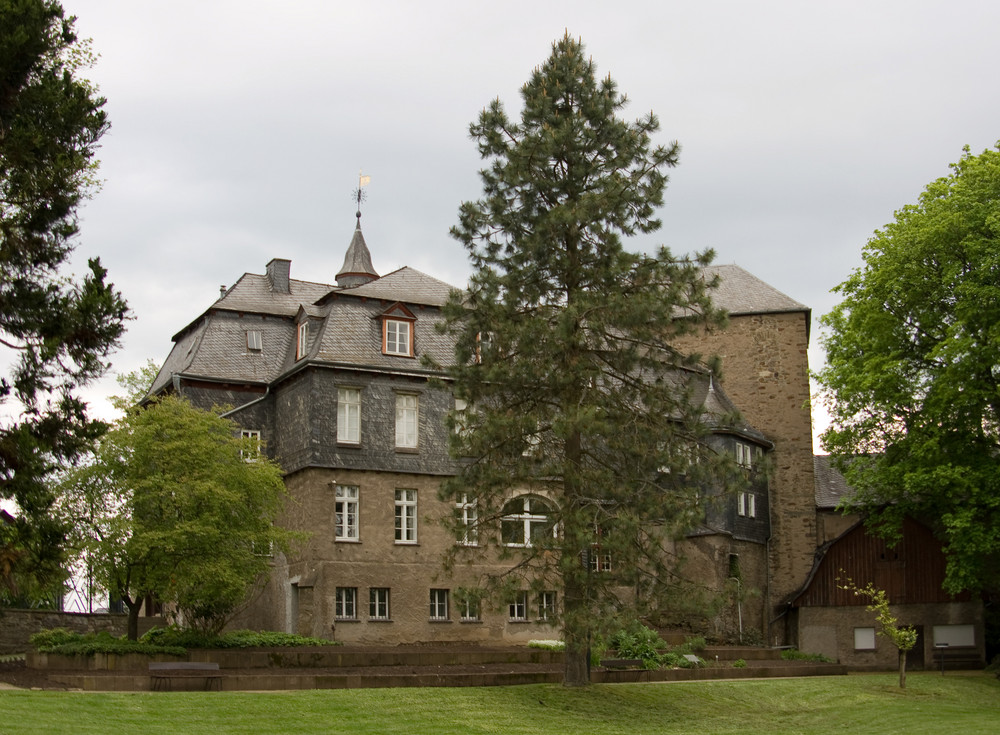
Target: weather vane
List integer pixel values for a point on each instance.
(358, 193)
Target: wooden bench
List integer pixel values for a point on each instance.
(956, 658)
(163, 672)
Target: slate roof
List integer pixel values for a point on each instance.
(741, 292)
(831, 486)
(407, 285)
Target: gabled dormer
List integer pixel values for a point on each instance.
(397, 324)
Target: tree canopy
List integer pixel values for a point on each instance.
(912, 379)
(58, 330)
(577, 421)
(176, 506)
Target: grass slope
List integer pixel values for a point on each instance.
(870, 703)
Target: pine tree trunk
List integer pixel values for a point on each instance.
(576, 672)
(902, 669)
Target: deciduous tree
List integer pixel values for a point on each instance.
(579, 434)
(175, 505)
(912, 379)
(58, 330)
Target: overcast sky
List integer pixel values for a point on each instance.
(239, 129)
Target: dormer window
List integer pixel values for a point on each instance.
(397, 331)
(300, 341)
(397, 338)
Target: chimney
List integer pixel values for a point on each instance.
(277, 275)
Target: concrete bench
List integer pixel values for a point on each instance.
(161, 673)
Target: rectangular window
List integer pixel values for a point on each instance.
(547, 606)
(346, 509)
(519, 606)
(469, 517)
(406, 421)
(741, 504)
(349, 415)
(439, 604)
(378, 603)
(251, 444)
(300, 341)
(751, 505)
(600, 559)
(346, 603)
(255, 341)
(397, 338)
(954, 636)
(406, 516)
(864, 639)
(744, 455)
(469, 607)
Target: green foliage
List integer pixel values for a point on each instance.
(171, 507)
(639, 642)
(792, 654)
(739, 664)
(903, 637)
(912, 372)
(548, 645)
(59, 329)
(67, 643)
(186, 638)
(564, 353)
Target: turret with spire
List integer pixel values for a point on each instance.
(357, 268)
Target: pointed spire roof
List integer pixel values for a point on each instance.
(357, 268)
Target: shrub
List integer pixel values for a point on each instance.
(791, 654)
(176, 636)
(638, 641)
(739, 664)
(548, 645)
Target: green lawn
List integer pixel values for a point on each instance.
(965, 703)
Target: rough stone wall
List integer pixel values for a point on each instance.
(17, 626)
(305, 587)
(765, 371)
(830, 631)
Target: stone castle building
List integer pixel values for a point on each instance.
(330, 378)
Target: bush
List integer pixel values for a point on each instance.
(792, 654)
(173, 641)
(739, 664)
(548, 645)
(638, 641)
(175, 636)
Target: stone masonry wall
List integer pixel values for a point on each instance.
(17, 626)
(765, 371)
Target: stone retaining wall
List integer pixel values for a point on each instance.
(17, 626)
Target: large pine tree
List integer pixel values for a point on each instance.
(578, 422)
(56, 331)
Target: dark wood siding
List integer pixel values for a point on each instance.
(910, 572)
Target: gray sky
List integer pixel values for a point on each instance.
(239, 128)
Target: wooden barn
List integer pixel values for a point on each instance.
(827, 619)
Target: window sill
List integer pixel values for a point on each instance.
(519, 621)
(407, 450)
(438, 621)
(347, 541)
(379, 620)
(347, 620)
(348, 445)
(470, 621)
(406, 543)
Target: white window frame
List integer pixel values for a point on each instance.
(600, 560)
(255, 341)
(407, 420)
(751, 505)
(469, 609)
(527, 519)
(378, 603)
(406, 516)
(469, 516)
(253, 454)
(439, 604)
(346, 507)
(346, 603)
(744, 455)
(518, 607)
(302, 336)
(546, 605)
(397, 337)
(349, 415)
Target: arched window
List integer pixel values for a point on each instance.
(526, 519)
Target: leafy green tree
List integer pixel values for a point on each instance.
(912, 380)
(58, 330)
(579, 433)
(176, 506)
